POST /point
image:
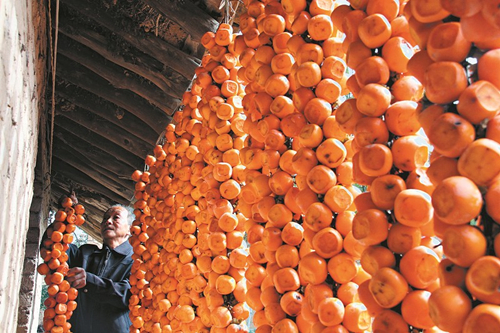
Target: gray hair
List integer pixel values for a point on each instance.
(130, 212)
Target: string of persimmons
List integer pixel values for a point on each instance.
(334, 169)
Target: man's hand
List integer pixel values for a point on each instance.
(77, 277)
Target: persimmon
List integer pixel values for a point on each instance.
(312, 269)
(279, 42)
(370, 226)
(384, 190)
(447, 43)
(264, 329)
(426, 12)
(402, 238)
(253, 298)
(292, 233)
(342, 268)
(284, 326)
(273, 24)
(299, 25)
(479, 153)
(339, 199)
(373, 100)
(442, 168)
(372, 70)
(314, 294)
(450, 134)
(407, 88)
(287, 256)
(338, 13)
(276, 85)
(327, 242)
(461, 8)
(457, 200)
(451, 274)
(366, 298)
(292, 124)
(481, 28)
(413, 208)
(483, 318)
(291, 303)
(389, 321)
(347, 115)
(388, 8)
(356, 317)
(282, 63)
(491, 198)
(318, 216)
(320, 27)
(331, 311)
(375, 160)
(321, 7)
(334, 68)
(463, 244)
(493, 129)
(225, 284)
(418, 64)
(350, 23)
(442, 301)
(415, 309)
(308, 74)
(374, 30)
(348, 292)
(317, 110)
(274, 313)
(444, 81)
(320, 179)
(370, 130)
(410, 152)
(311, 135)
(328, 90)
(419, 266)
(488, 65)
(221, 317)
(402, 118)
(481, 279)
(388, 287)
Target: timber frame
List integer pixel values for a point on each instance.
(121, 70)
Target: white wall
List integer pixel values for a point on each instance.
(19, 116)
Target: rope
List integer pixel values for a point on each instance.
(226, 16)
(53, 50)
(234, 13)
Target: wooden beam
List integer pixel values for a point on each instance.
(135, 61)
(97, 140)
(60, 166)
(86, 79)
(190, 17)
(106, 129)
(116, 75)
(78, 163)
(109, 111)
(182, 62)
(121, 180)
(123, 169)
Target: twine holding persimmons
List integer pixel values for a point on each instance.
(61, 301)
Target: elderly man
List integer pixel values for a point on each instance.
(102, 277)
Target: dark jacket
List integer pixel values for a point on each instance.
(103, 302)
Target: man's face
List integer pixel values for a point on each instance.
(114, 224)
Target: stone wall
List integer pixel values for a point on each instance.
(22, 82)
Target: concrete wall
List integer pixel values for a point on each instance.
(22, 82)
